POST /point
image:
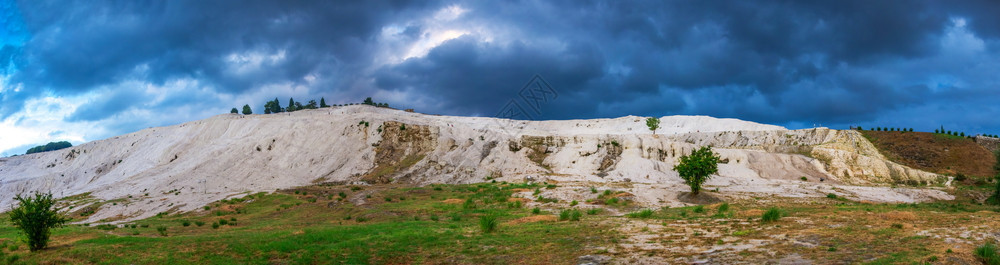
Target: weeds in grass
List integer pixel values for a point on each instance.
(360, 219)
(107, 227)
(162, 230)
(488, 223)
(434, 218)
(593, 190)
(699, 209)
(223, 222)
(388, 199)
(342, 195)
(646, 213)
(897, 226)
(570, 215)
(988, 254)
(724, 207)
(456, 217)
(594, 211)
(573, 203)
(771, 215)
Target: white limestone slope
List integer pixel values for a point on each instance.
(183, 167)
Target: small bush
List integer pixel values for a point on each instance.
(646, 213)
(803, 179)
(342, 195)
(186, 223)
(573, 203)
(360, 219)
(144, 225)
(771, 215)
(724, 207)
(162, 230)
(831, 249)
(434, 218)
(107, 227)
(223, 222)
(831, 195)
(199, 223)
(564, 215)
(699, 209)
(215, 225)
(388, 199)
(594, 211)
(574, 215)
(536, 210)
(897, 226)
(488, 223)
(593, 190)
(988, 254)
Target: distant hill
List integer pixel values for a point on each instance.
(938, 153)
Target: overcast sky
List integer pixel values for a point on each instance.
(88, 70)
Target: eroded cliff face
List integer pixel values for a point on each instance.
(183, 167)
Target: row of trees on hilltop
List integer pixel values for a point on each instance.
(938, 131)
(887, 129)
(274, 106)
(51, 146)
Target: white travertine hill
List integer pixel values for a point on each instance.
(186, 166)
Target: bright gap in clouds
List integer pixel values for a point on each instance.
(43, 121)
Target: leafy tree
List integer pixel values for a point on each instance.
(51, 146)
(311, 104)
(961, 134)
(322, 103)
(246, 110)
(368, 101)
(653, 123)
(936, 131)
(291, 105)
(697, 167)
(234, 111)
(860, 128)
(298, 106)
(34, 216)
(276, 106)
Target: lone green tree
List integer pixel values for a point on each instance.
(697, 167)
(653, 123)
(234, 111)
(247, 110)
(34, 216)
(291, 105)
(368, 101)
(322, 103)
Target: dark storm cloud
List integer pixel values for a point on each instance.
(792, 63)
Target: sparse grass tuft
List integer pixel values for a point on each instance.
(771, 215)
(724, 207)
(988, 254)
(488, 223)
(646, 213)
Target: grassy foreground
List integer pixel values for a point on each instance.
(327, 224)
(446, 224)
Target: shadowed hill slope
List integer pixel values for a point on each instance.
(938, 153)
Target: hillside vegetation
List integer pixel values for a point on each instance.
(938, 153)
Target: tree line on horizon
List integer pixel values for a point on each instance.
(274, 106)
(936, 131)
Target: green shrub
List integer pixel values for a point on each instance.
(536, 210)
(144, 225)
(469, 204)
(593, 211)
(593, 190)
(988, 254)
(699, 209)
(803, 179)
(564, 215)
(186, 223)
(35, 216)
(162, 230)
(342, 195)
(215, 225)
(897, 226)
(573, 203)
(107, 227)
(646, 213)
(434, 218)
(724, 207)
(771, 215)
(388, 199)
(223, 222)
(197, 223)
(698, 167)
(488, 223)
(574, 215)
(831, 195)
(456, 217)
